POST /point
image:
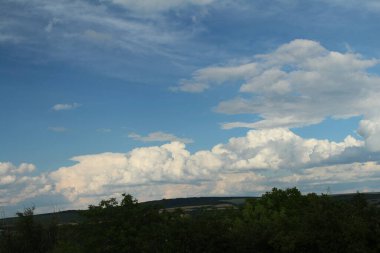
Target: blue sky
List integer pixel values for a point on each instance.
(186, 98)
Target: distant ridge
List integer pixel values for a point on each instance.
(197, 201)
(187, 204)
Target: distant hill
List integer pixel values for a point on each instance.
(187, 204)
(372, 198)
(62, 217)
(198, 201)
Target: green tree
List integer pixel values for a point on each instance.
(28, 236)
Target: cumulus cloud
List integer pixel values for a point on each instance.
(244, 164)
(280, 149)
(370, 131)
(17, 183)
(65, 107)
(158, 137)
(298, 84)
(351, 175)
(250, 164)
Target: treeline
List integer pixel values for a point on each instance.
(279, 221)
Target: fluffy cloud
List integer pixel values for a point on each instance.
(370, 131)
(244, 164)
(298, 84)
(159, 137)
(65, 107)
(350, 175)
(279, 149)
(17, 183)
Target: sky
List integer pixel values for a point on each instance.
(182, 98)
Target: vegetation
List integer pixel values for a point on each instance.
(279, 221)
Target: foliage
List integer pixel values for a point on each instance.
(28, 236)
(279, 221)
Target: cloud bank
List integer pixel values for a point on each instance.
(245, 165)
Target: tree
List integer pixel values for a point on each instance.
(29, 236)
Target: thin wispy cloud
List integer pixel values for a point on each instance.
(104, 130)
(95, 30)
(159, 137)
(367, 5)
(156, 6)
(65, 107)
(58, 129)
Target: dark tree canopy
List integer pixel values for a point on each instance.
(279, 221)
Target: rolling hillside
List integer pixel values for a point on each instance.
(187, 204)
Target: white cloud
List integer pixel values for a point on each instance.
(253, 161)
(300, 83)
(203, 79)
(370, 131)
(65, 107)
(159, 137)
(25, 168)
(240, 184)
(280, 149)
(94, 173)
(7, 167)
(245, 165)
(288, 121)
(336, 174)
(16, 183)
